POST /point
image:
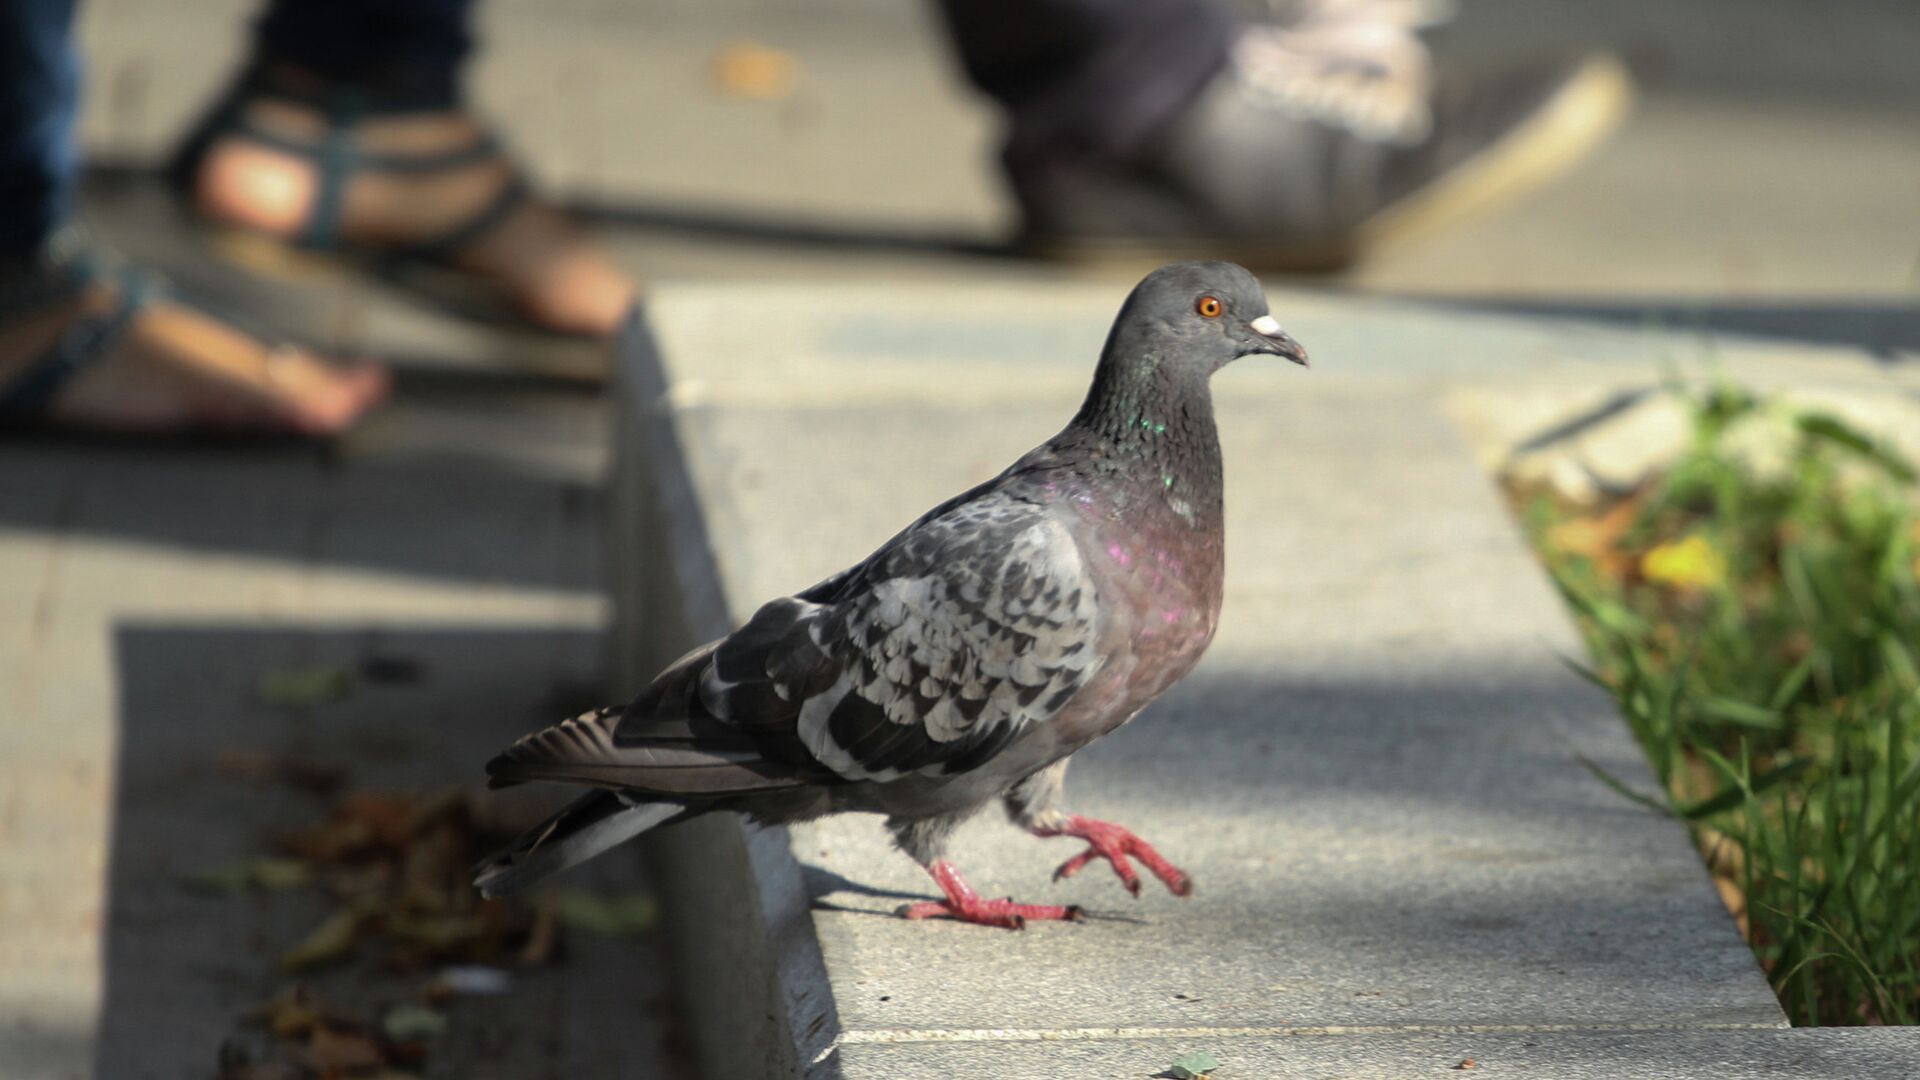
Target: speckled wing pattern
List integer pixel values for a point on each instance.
(972, 626)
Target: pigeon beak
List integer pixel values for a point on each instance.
(1275, 342)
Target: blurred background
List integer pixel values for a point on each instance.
(1771, 168)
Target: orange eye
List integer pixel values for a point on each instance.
(1208, 307)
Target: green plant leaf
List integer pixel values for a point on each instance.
(1736, 793)
(1620, 786)
(1824, 427)
(1735, 711)
(294, 688)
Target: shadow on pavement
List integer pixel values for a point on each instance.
(455, 479)
(183, 967)
(1884, 329)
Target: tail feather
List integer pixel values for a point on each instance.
(582, 829)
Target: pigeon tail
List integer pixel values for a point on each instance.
(582, 829)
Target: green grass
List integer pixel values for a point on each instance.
(1759, 623)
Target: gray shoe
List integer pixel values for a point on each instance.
(1303, 154)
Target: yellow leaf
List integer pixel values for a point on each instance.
(1692, 563)
(750, 70)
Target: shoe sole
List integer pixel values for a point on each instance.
(1590, 106)
(1579, 116)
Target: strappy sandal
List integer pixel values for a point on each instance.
(58, 276)
(24, 397)
(427, 267)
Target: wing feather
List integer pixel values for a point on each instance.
(971, 627)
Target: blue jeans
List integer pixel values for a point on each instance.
(415, 45)
(1075, 77)
(39, 101)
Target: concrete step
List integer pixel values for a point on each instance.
(1376, 775)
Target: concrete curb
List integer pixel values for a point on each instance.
(770, 970)
(754, 985)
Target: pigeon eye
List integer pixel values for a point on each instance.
(1208, 307)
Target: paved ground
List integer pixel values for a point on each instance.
(1769, 183)
(1379, 775)
(147, 595)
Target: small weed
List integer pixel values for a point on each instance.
(1757, 615)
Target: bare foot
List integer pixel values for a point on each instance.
(175, 369)
(550, 268)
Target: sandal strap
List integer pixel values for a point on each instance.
(484, 220)
(333, 162)
(338, 156)
(63, 265)
(483, 149)
(89, 338)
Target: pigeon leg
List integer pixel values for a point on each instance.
(964, 904)
(1115, 843)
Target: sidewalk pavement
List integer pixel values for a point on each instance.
(1378, 776)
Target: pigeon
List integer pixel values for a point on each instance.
(969, 657)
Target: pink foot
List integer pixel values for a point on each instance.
(1115, 843)
(964, 904)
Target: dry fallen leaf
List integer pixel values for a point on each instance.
(407, 1022)
(262, 767)
(291, 1014)
(1467, 1063)
(1597, 537)
(605, 914)
(329, 1049)
(266, 873)
(331, 940)
(750, 70)
(361, 820)
(396, 866)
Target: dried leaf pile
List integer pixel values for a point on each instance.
(394, 871)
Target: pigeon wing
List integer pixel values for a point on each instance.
(972, 626)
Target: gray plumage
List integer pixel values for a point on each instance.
(965, 659)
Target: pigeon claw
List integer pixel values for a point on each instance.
(965, 905)
(1118, 845)
(1004, 914)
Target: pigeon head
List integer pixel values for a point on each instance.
(1181, 324)
(1200, 316)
